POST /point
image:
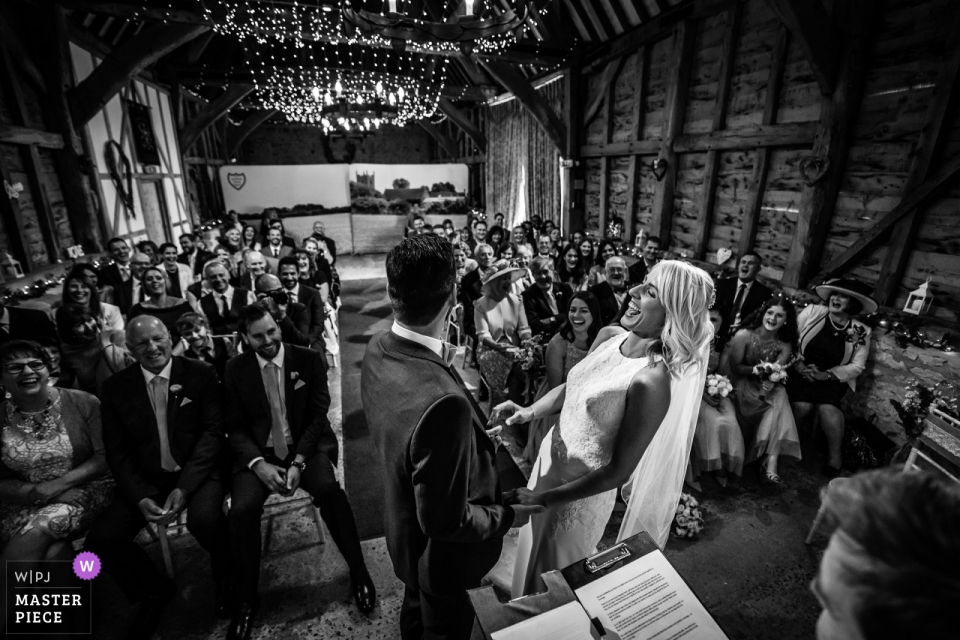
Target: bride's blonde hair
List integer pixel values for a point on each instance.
(686, 293)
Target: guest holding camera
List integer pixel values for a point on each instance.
(834, 346)
(293, 318)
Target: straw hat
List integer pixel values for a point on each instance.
(501, 268)
(850, 287)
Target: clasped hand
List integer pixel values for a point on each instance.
(525, 503)
(277, 479)
(510, 413)
(153, 512)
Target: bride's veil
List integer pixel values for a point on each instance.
(653, 491)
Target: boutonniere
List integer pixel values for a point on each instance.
(175, 389)
(294, 375)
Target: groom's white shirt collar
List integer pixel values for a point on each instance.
(433, 344)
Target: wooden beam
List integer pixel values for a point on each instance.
(926, 154)
(24, 135)
(572, 210)
(136, 12)
(151, 44)
(814, 30)
(609, 87)
(711, 170)
(460, 119)
(679, 67)
(13, 41)
(242, 131)
(532, 101)
(636, 131)
(211, 113)
(750, 218)
(448, 145)
(609, 76)
(794, 134)
(838, 114)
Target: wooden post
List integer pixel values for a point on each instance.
(460, 119)
(834, 133)
(926, 154)
(532, 101)
(445, 143)
(818, 37)
(678, 83)
(711, 170)
(636, 131)
(758, 184)
(210, 114)
(610, 87)
(573, 215)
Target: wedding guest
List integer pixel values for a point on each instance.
(502, 331)
(495, 236)
(285, 239)
(524, 256)
(520, 238)
(763, 408)
(194, 255)
(834, 346)
(718, 442)
(149, 247)
(416, 226)
(198, 343)
(89, 274)
(51, 347)
(225, 257)
(448, 229)
(649, 258)
(464, 264)
(470, 288)
(745, 294)
(587, 256)
(892, 566)
(498, 219)
(506, 251)
(54, 479)
(568, 347)
(323, 262)
(275, 249)
(555, 236)
(571, 269)
(250, 239)
(223, 301)
(159, 304)
(612, 293)
(276, 403)
(88, 355)
(308, 274)
(320, 234)
(119, 271)
(77, 290)
(293, 318)
(179, 276)
(232, 240)
(163, 435)
(576, 238)
(300, 293)
(255, 265)
(545, 247)
(546, 304)
(466, 237)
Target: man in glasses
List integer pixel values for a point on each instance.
(292, 317)
(612, 292)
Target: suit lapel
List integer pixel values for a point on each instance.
(253, 370)
(173, 401)
(290, 365)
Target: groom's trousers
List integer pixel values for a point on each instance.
(431, 617)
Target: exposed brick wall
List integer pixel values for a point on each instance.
(283, 144)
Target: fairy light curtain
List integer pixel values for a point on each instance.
(515, 140)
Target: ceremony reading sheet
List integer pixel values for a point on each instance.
(568, 622)
(648, 600)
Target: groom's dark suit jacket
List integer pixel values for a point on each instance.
(444, 515)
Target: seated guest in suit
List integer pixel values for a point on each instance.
(54, 478)
(293, 318)
(179, 276)
(320, 233)
(194, 255)
(150, 248)
(223, 301)
(88, 355)
(743, 296)
(254, 266)
(285, 239)
(605, 250)
(275, 249)
(76, 289)
(159, 303)
(119, 271)
(198, 344)
(289, 274)
(128, 292)
(276, 403)
(545, 246)
(546, 303)
(612, 292)
(470, 287)
(650, 256)
(163, 435)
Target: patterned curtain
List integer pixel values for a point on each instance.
(515, 140)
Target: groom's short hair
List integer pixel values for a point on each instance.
(421, 277)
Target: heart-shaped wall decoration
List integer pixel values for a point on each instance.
(813, 169)
(237, 180)
(659, 168)
(723, 254)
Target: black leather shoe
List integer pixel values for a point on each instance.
(241, 626)
(151, 611)
(364, 593)
(224, 599)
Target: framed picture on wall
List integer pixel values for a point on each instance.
(141, 128)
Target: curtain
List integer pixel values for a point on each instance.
(515, 140)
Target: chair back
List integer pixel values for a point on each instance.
(938, 447)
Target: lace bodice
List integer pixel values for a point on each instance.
(596, 397)
(573, 357)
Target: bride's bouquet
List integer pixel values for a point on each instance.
(718, 386)
(688, 521)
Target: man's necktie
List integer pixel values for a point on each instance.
(737, 301)
(552, 301)
(158, 398)
(124, 272)
(277, 419)
(222, 303)
(292, 297)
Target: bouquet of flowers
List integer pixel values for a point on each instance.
(770, 372)
(688, 522)
(718, 385)
(918, 400)
(530, 355)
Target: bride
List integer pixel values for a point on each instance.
(628, 414)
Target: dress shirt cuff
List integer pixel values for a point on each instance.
(255, 461)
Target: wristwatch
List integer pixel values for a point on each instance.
(299, 465)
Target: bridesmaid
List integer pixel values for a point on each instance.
(763, 409)
(567, 348)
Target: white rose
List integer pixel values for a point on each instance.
(774, 377)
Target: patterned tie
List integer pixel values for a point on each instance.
(277, 410)
(737, 301)
(158, 398)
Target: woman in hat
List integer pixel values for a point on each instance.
(834, 347)
(502, 330)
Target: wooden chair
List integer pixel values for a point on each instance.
(937, 449)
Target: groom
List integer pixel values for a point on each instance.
(444, 514)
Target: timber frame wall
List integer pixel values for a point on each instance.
(826, 137)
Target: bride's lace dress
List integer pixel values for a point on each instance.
(582, 442)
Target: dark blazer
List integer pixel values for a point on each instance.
(246, 281)
(247, 412)
(222, 352)
(310, 298)
(444, 515)
(331, 245)
(202, 257)
(123, 295)
(130, 431)
(224, 323)
(607, 299)
(28, 324)
(726, 291)
(110, 275)
(297, 328)
(538, 308)
(637, 271)
(469, 292)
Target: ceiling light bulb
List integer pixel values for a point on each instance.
(379, 88)
(316, 93)
(338, 88)
(400, 94)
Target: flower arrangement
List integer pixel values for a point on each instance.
(718, 385)
(688, 521)
(530, 355)
(771, 371)
(175, 389)
(917, 402)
